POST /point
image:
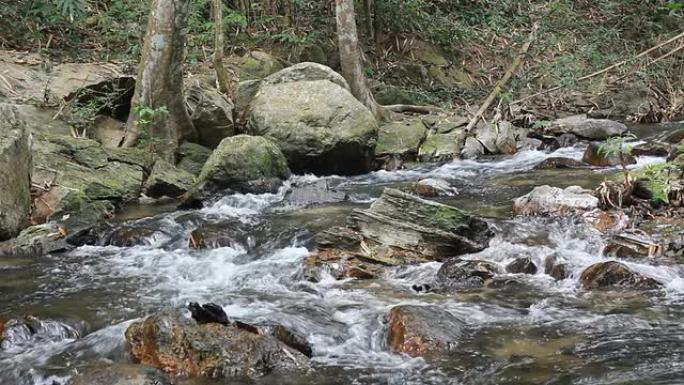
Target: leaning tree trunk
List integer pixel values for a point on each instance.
(160, 80)
(224, 82)
(350, 55)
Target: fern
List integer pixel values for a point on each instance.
(72, 9)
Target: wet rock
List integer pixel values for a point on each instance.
(675, 137)
(432, 188)
(15, 173)
(129, 236)
(246, 164)
(555, 268)
(398, 229)
(19, 333)
(304, 194)
(457, 274)
(606, 221)
(522, 266)
(211, 114)
(320, 127)
(258, 65)
(472, 149)
(208, 313)
(389, 162)
(422, 331)
(307, 71)
(401, 138)
(192, 157)
(167, 180)
(530, 144)
(213, 236)
(555, 163)
(651, 149)
(547, 200)
(287, 336)
(581, 126)
(181, 347)
(614, 274)
(120, 374)
(628, 245)
(442, 147)
(567, 140)
(506, 140)
(595, 157)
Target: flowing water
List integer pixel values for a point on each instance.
(539, 331)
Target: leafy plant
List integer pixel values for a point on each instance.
(147, 115)
(658, 181)
(617, 146)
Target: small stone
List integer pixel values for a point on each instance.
(433, 188)
(522, 266)
(614, 274)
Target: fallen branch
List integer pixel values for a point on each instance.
(502, 82)
(594, 74)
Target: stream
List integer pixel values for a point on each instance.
(538, 331)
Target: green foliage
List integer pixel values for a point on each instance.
(617, 146)
(147, 115)
(72, 9)
(658, 180)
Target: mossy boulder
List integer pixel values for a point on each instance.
(388, 95)
(192, 157)
(245, 163)
(307, 72)
(319, 126)
(401, 138)
(15, 172)
(442, 147)
(167, 180)
(258, 65)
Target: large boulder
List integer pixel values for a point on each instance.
(580, 125)
(401, 138)
(398, 229)
(472, 148)
(596, 157)
(422, 331)
(442, 147)
(192, 157)
(246, 164)
(547, 200)
(15, 173)
(307, 71)
(319, 126)
(182, 347)
(211, 114)
(614, 274)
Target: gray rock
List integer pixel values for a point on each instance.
(523, 265)
(432, 188)
(442, 147)
(319, 126)
(547, 200)
(258, 65)
(307, 71)
(580, 125)
(15, 173)
(211, 114)
(192, 157)
(456, 274)
(472, 149)
(246, 164)
(120, 374)
(167, 180)
(401, 138)
(245, 94)
(595, 157)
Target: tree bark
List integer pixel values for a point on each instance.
(350, 55)
(224, 82)
(160, 79)
(368, 10)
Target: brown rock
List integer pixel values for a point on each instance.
(420, 331)
(523, 265)
(597, 158)
(614, 274)
(554, 268)
(180, 346)
(651, 149)
(120, 374)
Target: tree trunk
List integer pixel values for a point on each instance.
(350, 55)
(224, 81)
(160, 80)
(368, 10)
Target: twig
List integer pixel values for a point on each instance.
(591, 75)
(507, 76)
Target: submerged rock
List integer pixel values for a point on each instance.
(120, 374)
(457, 274)
(213, 236)
(304, 194)
(246, 164)
(18, 333)
(580, 125)
(594, 156)
(319, 126)
(614, 274)
(547, 200)
(432, 188)
(398, 229)
(129, 236)
(15, 173)
(422, 331)
(181, 347)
